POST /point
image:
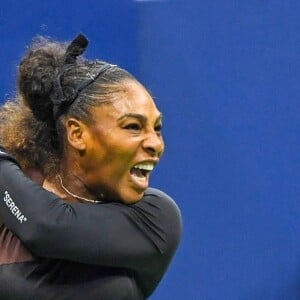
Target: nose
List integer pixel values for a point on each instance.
(154, 144)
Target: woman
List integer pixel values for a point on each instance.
(93, 132)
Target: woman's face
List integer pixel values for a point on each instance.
(124, 144)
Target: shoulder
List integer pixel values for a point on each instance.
(161, 200)
(165, 216)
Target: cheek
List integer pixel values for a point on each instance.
(115, 155)
(112, 152)
(163, 146)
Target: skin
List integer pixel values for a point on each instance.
(99, 157)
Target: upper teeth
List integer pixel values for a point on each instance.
(145, 166)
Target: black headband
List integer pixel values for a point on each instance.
(76, 48)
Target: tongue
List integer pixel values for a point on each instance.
(137, 172)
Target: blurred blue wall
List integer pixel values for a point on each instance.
(226, 76)
(110, 25)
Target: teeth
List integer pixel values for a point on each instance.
(145, 166)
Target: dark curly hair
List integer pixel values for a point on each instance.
(54, 84)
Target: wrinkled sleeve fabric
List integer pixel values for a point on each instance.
(141, 237)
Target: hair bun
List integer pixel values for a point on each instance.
(37, 72)
(40, 70)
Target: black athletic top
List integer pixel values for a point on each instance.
(106, 251)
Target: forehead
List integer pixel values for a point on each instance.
(134, 99)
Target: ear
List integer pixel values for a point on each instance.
(76, 133)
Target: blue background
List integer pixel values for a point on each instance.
(226, 76)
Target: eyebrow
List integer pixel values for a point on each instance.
(140, 117)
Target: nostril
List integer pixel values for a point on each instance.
(151, 150)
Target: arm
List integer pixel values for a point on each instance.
(141, 237)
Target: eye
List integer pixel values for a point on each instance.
(133, 126)
(158, 128)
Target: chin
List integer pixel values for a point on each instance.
(131, 198)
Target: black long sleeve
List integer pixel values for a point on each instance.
(141, 237)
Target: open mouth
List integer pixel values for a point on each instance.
(142, 171)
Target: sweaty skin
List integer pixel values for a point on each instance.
(105, 157)
(120, 248)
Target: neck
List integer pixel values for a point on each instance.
(69, 183)
(69, 180)
(58, 186)
(79, 198)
